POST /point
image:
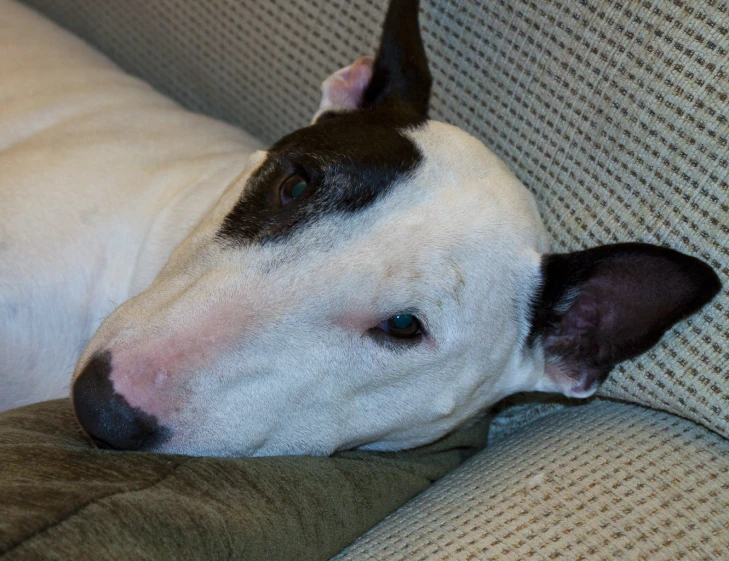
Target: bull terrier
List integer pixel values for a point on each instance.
(375, 280)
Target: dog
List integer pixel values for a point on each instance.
(375, 280)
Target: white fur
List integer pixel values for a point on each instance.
(100, 178)
(261, 349)
(245, 350)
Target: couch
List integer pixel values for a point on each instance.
(614, 114)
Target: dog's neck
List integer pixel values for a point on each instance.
(180, 208)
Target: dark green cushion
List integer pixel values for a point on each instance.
(62, 499)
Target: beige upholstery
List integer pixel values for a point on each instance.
(601, 482)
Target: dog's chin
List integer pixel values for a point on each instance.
(199, 442)
(190, 449)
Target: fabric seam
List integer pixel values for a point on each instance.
(91, 502)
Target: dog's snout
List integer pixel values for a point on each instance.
(106, 416)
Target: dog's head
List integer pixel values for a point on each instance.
(374, 280)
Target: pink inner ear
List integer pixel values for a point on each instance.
(343, 90)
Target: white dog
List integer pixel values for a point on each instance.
(374, 280)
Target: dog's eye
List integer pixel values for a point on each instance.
(403, 326)
(292, 188)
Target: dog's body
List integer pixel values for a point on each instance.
(100, 179)
(374, 280)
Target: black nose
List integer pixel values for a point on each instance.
(106, 416)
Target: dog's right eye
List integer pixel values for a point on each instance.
(398, 332)
(402, 326)
(292, 188)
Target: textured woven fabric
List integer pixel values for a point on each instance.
(613, 113)
(61, 499)
(603, 481)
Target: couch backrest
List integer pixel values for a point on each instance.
(613, 113)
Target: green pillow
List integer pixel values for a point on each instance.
(62, 499)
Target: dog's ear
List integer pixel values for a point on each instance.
(397, 78)
(607, 304)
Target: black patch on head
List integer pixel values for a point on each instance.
(349, 159)
(349, 162)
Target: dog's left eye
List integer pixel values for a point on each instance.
(402, 326)
(293, 188)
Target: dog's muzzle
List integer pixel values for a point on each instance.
(106, 416)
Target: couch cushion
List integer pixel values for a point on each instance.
(63, 499)
(600, 481)
(613, 113)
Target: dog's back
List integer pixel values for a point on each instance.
(88, 159)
